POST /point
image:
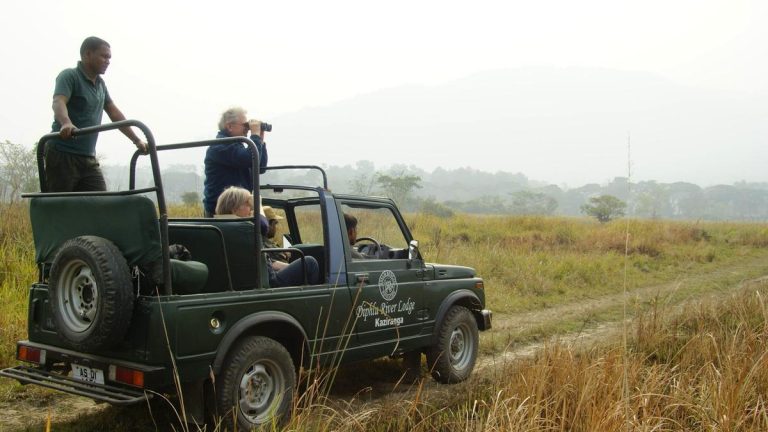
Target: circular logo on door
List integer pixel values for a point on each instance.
(388, 285)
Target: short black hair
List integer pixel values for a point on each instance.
(350, 221)
(92, 43)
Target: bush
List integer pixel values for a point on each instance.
(434, 208)
(604, 208)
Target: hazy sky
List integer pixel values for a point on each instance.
(177, 64)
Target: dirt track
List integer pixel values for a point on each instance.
(31, 408)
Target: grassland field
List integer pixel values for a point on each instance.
(693, 358)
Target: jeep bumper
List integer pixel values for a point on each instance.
(53, 367)
(99, 392)
(486, 315)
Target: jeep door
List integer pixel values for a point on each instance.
(322, 309)
(385, 286)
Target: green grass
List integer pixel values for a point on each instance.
(538, 262)
(17, 272)
(530, 265)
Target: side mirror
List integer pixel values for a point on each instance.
(413, 250)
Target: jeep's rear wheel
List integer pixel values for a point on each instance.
(453, 356)
(91, 293)
(258, 384)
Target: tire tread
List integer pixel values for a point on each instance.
(115, 304)
(437, 358)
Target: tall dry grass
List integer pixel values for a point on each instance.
(677, 365)
(533, 262)
(17, 272)
(528, 262)
(702, 367)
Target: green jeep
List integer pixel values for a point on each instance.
(114, 318)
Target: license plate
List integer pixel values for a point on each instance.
(89, 375)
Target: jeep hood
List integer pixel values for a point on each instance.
(445, 271)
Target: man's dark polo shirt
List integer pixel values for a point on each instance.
(85, 106)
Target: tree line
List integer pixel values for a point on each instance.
(447, 191)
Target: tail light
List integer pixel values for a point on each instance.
(31, 355)
(127, 376)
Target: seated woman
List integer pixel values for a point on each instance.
(238, 202)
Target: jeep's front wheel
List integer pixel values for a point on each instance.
(453, 356)
(256, 387)
(91, 293)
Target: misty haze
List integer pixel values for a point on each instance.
(532, 141)
(563, 126)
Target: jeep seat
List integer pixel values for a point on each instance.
(239, 236)
(206, 244)
(226, 247)
(128, 221)
(189, 277)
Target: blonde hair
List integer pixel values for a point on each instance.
(231, 199)
(231, 116)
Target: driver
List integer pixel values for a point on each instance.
(351, 223)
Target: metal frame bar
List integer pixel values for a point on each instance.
(158, 189)
(255, 162)
(307, 167)
(101, 392)
(152, 150)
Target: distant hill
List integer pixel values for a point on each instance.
(559, 125)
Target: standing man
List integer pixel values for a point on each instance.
(79, 99)
(230, 164)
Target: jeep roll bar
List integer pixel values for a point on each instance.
(152, 150)
(158, 188)
(255, 162)
(298, 167)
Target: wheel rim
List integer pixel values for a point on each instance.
(261, 390)
(78, 296)
(461, 347)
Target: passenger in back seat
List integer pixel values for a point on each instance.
(238, 202)
(269, 242)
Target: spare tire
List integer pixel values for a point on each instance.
(90, 293)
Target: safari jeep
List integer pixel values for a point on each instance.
(114, 318)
